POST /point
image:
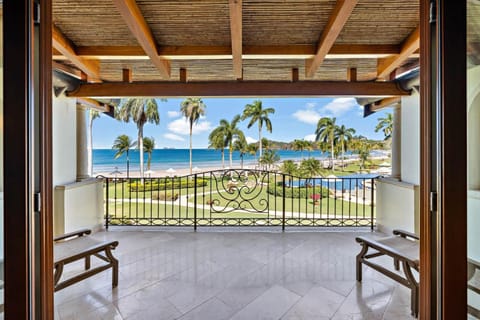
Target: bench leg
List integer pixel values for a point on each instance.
(359, 261)
(114, 263)
(87, 262)
(414, 287)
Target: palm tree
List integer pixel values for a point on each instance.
(364, 153)
(326, 132)
(269, 158)
(92, 115)
(310, 168)
(231, 133)
(242, 147)
(216, 141)
(123, 144)
(252, 149)
(289, 168)
(342, 136)
(256, 113)
(301, 145)
(148, 147)
(386, 125)
(141, 111)
(192, 109)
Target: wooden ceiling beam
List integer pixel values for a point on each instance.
(239, 89)
(236, 36)
(138, 26)
(225, 52)
(342, 11)
(386, 102)
(65, 46)
(95, 104)
(409, 47)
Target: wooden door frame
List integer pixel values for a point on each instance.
(453, 157)
(427, 305)
(444, 162)
(28, 292)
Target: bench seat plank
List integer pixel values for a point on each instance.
(77, 246)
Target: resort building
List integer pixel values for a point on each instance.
(61, 58)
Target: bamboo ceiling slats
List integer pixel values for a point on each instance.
(197, 35)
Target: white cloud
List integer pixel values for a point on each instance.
(173, 114)
(310, 137)
(340, 106)
(311, 105)
(181, 126)
(250, 140)
(173, 137)
(309, 116)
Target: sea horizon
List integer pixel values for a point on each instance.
(166, 158)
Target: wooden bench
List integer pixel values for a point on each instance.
(403, 247)
(79, 245)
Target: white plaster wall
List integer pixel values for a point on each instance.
(397, 206)
(411, 139)
(80, 205)
(76, 204)
(64, 140)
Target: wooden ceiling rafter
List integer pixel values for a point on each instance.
(342, 11)
(240, 88)
(135, 21)
(95, 104)
(387, 65)
(236, 36)
(62, 44)
(225, 52)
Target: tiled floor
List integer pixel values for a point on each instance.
(228, 274)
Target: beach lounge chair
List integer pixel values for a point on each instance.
(403, 247)
(79, 245)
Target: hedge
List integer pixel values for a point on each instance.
(296, 192)
(167, 185)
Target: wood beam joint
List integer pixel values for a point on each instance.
(342, 11)
(409, 46)
(138, 26)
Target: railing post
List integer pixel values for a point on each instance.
(371, 204)
(283, 202)
(195, 203)
(106, 204)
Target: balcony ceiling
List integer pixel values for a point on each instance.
(350, 46)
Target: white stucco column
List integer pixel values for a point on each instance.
(82, 152)
(397, 142)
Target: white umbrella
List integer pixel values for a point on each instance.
(196, 169)
(149, 172)
(171, 170)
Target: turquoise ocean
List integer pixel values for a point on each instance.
(163, 159)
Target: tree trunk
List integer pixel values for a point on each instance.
(343, 155)
(223, 158)
(230, 151)
(140, 147)
(128, 166)
(260, 139)
(241, 161)
(191, 129)
(90, 144)
(333, 155)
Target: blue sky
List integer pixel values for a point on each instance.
(294, 118)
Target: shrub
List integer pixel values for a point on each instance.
(164, 196)
(297, 192)
(166, 184)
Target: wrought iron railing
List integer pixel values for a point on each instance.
(240, 198)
